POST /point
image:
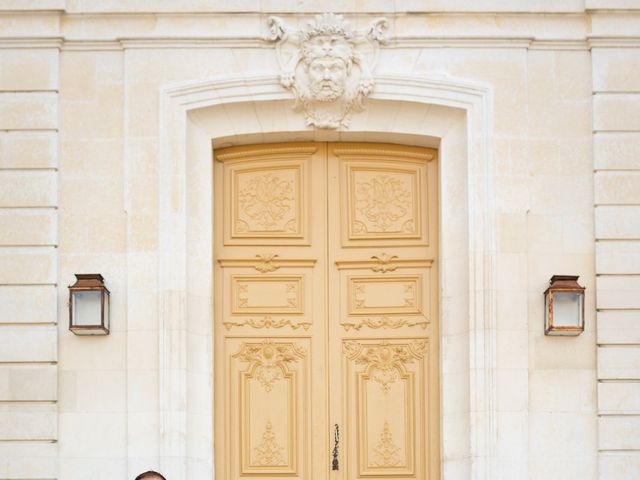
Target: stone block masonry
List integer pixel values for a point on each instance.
(28, 262)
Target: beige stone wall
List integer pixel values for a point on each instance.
(616, 152)
(29, 129)
(93, 236)
(80, 191)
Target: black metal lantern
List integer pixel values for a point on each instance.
(89, 305)
(564, 306)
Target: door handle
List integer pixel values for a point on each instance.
(336, 442)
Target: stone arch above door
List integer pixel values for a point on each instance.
(452, 114)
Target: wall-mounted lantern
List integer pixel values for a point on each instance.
(564, 306)
(89, 305)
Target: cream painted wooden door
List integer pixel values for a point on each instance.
(326, 313)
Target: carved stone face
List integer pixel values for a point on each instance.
(327, 77)
(327, 66)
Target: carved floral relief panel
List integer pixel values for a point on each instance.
(385, 202)
(266, 201)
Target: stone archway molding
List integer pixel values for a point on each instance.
(184, 251)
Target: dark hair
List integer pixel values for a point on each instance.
(150, 474)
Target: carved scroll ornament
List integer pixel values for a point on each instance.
(384, 322)
(269, 360)
(385, 263)
(268, 322)
(384, 361)
(327, 66)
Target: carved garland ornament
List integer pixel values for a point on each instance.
(269, 360)
(384, 361)
(268, 322)
(384, 322)
(327, 66)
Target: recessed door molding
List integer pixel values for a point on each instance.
(195, 114)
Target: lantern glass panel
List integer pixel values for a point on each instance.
(566, 309)
(87, 308)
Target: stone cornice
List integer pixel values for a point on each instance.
(247, 29)
(130, 7)
(31, 42)
(614, 42)
(197, 42)
(403, 42)
(548, 44)
(491, 42)
(92, 45)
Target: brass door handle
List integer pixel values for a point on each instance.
(336, 439)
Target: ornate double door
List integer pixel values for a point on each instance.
(326, 315)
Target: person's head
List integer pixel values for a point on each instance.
(150, 475)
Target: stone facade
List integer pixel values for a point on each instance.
(107, 114)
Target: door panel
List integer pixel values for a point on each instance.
(326, 311)
(270, 312)
(382, 195)
(270, 380)
(267, 196)
(383, 312)
(385, 383)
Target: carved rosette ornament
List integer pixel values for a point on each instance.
(327, 66)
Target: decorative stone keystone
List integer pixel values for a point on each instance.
(327, 66)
